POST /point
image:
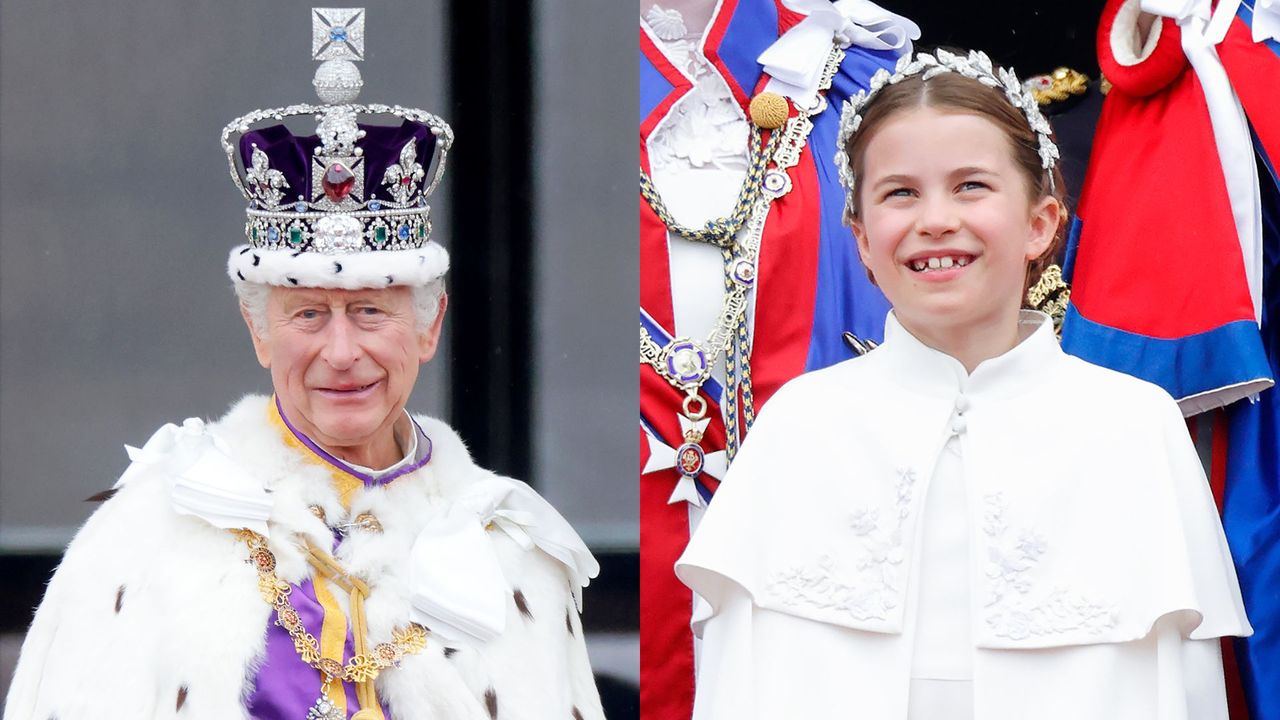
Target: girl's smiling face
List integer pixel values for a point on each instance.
(946, 223)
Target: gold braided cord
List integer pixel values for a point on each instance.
(333, 634)
(363, 667)
(731, 354)
(748, 396)
(718, 231)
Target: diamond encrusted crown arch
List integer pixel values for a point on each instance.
(975, 65)
(335, 203)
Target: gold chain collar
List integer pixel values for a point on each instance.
(360, 668)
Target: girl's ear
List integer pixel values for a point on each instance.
(864, 248)
(860, 235)
(1046, 216)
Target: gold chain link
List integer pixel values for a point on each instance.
(361, 668)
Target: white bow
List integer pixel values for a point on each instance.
(513, 523)
(795, 61)
(526, 517)
(160, 447)
(1266, 17)
(207, 482)
(456, 584)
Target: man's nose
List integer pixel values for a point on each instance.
(341, 350)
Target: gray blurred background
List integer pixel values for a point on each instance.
(117, 214)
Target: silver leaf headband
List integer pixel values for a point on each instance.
(977, 66)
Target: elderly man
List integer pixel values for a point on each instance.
(320, 554)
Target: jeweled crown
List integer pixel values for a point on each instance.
(352, 187)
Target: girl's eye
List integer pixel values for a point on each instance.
(972, 185)
(900, 192)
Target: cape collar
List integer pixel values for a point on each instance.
(933, 372)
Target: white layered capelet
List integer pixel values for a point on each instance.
(1099, 577)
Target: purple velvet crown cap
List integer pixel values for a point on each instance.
(292, 154)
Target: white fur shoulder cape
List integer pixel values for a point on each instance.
(154, 612)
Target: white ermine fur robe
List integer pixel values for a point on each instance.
(155, 613)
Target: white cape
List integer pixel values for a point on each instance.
(1091, 524)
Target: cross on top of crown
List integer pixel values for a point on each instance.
(337, 33)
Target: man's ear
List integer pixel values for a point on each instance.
(261, 345)
(429, 339)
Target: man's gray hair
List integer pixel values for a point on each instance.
(253, 298)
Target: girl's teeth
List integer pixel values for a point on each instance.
(940, 263)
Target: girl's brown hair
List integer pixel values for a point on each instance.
(952, 92)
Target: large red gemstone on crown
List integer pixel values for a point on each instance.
(337, 182)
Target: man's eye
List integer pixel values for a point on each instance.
(308, 314)
(369, 311)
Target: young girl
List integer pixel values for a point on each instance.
(965, 522)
